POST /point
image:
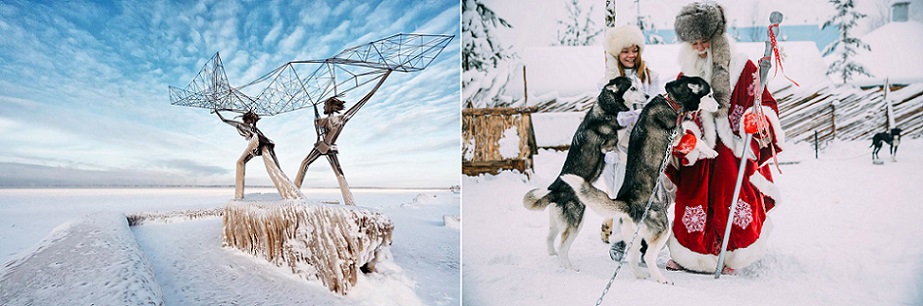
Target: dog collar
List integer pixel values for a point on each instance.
(676, 106)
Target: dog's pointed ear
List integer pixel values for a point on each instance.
(698, 86)
(619, 85)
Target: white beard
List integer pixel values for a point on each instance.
(692, 65)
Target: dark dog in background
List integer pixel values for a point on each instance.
(596, 134)
(646, 153)
(893, 139)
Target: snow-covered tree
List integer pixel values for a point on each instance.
(646, 24)
(484, 57)
(649, 29)
(844, 48)
(579, 29)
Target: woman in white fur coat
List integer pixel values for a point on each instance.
(705, 184)
(624, 46)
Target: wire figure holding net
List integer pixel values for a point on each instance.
(286, 90)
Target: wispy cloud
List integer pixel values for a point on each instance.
(83, 90)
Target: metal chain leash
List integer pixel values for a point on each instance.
(647, 208)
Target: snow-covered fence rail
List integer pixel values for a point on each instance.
(843, 112)
(142, 218)
(848, 113)
(497, 139)
(908, 109)
(330, 243)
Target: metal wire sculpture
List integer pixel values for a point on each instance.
(333, 77)
(287, 90)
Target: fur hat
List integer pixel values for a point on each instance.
(700, 21)
(705, 21)
(622, 37)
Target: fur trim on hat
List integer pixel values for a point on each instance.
(700, 21)
(622, 37)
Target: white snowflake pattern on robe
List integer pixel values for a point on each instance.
(694, 219)
(743, 215)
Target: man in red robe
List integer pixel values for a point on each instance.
(705, 184)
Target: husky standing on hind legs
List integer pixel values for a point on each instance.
(647, 147)
(596, 135)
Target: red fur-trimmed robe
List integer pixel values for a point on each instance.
(705, 187)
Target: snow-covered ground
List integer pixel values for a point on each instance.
(846, 233)
(77, 242)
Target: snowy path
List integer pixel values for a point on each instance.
(90, 260)
(847, 233)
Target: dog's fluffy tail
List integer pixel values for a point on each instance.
(594, 198)
(536, 199)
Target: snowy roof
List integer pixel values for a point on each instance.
(893, 54)
(572, 71)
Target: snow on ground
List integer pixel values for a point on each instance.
(846, 233)
(90, 260)
(191, 267)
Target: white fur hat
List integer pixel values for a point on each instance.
(622, 37)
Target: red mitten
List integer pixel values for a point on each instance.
(753, 125)
(686, 143)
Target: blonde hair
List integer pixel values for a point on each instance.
(640, 67)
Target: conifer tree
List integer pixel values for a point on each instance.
(845, 48)
(578, 29)
(482, 53)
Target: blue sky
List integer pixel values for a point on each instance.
(84, 92)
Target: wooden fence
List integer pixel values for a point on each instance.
(834, 112)
(482, 132)
(848, 113)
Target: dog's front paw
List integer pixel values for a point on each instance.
(567, 265)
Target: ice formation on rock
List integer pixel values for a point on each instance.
(330, 243)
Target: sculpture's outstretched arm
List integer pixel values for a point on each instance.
(352, 110)
(231, 122)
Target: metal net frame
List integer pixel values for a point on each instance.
(294, 85)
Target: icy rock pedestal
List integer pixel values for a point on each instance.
(331, 243)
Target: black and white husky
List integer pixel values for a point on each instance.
(646, 152)
(595, 135)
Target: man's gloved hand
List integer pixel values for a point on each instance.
(756, 124)
(686, 143)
